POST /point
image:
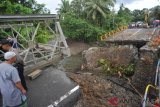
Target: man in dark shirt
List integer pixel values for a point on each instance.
(7, 46)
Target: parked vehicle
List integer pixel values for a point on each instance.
(139, 24)
(156, 23)
(132, 25)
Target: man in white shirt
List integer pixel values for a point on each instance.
(12, 91)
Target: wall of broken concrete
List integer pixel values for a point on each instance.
(145, 68)
(144, 58)
(124, 54)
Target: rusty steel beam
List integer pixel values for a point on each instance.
(17, 25)
(18, 18)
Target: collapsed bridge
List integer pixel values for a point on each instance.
(24, 29)
(53, 88)
(148, 51)
(132, 36)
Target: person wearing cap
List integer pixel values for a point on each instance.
(7, 46)
(13, 93)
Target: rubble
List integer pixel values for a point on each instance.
(99, 92)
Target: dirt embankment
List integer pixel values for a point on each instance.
(97, 91)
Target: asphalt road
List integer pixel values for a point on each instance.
(133, 35)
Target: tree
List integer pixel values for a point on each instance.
(64, 8)
(77, 8)
(22, 7)
(79, 29)
(138, 15)
(98, 9)
(124, 14)
(155, 12)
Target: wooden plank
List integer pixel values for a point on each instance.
(30, 68)
(35, 74)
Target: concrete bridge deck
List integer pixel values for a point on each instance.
(52, 89)
(131, 36)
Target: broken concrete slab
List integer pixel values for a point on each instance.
(123, 55)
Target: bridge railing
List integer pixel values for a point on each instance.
(156, 86)
(157, 73)
(108, 34)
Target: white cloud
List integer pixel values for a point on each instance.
(143, 4)
(140, 4)
(135, 4)
(50, 4)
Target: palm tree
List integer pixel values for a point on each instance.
(64, 7)
(78, 7)
(97, 9)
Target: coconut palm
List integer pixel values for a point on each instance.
(95, 7)
(64, 7)
(98, 9)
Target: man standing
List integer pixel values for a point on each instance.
(12, 91)
(7, 46)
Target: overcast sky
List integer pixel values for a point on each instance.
(131, 4)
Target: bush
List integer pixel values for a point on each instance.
(80, 29)
(129, 70)
(108, 68)
(43, 36)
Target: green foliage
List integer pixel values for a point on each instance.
(43, 36)
(120, 21)
(77, 8)
(124, 15)
(138, 15)
(97, 10)
(129, 70)
(80, 29)
(155, 12)
(110, 69)
(21, 7)
(24, 7)
(106, 66)
(64, 7)
(103, 62)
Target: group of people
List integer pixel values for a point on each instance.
(13, 87)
